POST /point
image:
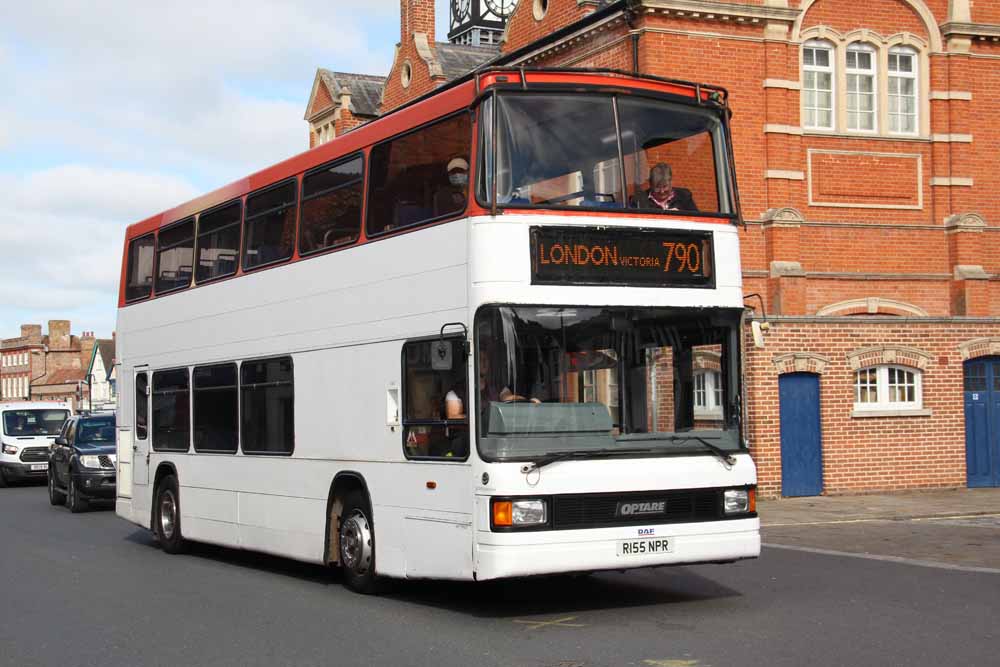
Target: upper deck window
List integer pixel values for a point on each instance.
(420, 176)
(605, 152)
(174, 257)
(331, 206)
(139, 274)
(218, 242)
(270, 226)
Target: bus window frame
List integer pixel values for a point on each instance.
(194, 408)
(151, 423)
(404, 422)
(364, 201)
(725, 187)
(128, 265)
(297, 181)
(239, 409)
(198, 235)
(473, 155)
(193, 219)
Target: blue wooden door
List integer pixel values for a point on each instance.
(982, 421)
(801, 442)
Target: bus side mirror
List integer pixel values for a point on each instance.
(758, 329)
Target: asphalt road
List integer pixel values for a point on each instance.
(91, 589)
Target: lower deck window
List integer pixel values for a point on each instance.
(267, 406)
(435, 395)
(171, 412)
(216, 421)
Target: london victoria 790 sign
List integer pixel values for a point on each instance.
(621, 256)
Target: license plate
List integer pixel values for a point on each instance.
(39, 466)
(647, 547)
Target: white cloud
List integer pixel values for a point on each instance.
(124, 109)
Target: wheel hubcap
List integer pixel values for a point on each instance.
(356, 542)
(168, 514)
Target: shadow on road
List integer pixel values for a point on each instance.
(494, 599)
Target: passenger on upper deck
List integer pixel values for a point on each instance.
(451, 198)
(661, 193)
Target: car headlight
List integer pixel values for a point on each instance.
(9, 449)
(90, 461)
(739, 501)
(520, 513)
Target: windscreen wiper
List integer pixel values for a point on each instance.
(581, 454)
(726, 457)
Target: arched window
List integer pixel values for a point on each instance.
(861, 69)
(817, 85)
(902, 90)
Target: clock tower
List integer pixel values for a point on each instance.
(479, 22)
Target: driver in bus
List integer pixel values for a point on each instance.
(451, 198)
(661, 193)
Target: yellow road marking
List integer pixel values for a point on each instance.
(559, 622)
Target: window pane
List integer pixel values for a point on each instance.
(435, 390)
(823, 57)
(171, 423)
(331, 206)
(421, 176)
(139, 282)
(175, 257)
(270, 226)
(141, 405)
(975, 377)
(906, 63)
(808, 57)
(655, 134)
(215, 409)
(893, 62)
(852, 59)
(908, 86)
(825, 119)
(267, 406)
(824, 81)
(218, 242)
(864, 60)
(867, 84)
(824, 101)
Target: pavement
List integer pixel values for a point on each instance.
(951, 529)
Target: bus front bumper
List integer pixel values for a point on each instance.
(501, 555)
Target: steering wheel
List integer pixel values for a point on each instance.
(562, 198)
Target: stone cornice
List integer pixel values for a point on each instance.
(723, 11)
(800, 362)
(977, 30)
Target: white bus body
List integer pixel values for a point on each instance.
(344, 318)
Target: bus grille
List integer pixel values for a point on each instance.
(600, 510)
(34, 454)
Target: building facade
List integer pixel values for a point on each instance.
(53, 366)
(864, 138)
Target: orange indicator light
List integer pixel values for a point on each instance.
(502, 513)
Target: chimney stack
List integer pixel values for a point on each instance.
(416, 16)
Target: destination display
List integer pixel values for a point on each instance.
(616, 256)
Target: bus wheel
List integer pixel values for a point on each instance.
(357, 544)
(168, 516)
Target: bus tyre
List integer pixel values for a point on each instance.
(74, 501)
(55, 497)
(357, 544)
(167, 524)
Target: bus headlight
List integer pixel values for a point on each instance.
(526, 513)
(739, 501)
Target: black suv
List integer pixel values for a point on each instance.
(82, 462)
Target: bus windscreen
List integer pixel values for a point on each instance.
(604, 152)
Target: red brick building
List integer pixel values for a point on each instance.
(50, 367)
(864, 138)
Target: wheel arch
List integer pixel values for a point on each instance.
(343, 483)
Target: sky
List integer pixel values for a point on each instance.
(115, 110)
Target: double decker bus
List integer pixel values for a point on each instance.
(494, 333)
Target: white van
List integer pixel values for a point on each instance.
(27, 429)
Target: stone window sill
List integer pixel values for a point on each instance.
(858, 414)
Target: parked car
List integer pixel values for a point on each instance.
(27, 430)
(82, 462)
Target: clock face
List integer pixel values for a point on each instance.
(461, 10)
(501, 8)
